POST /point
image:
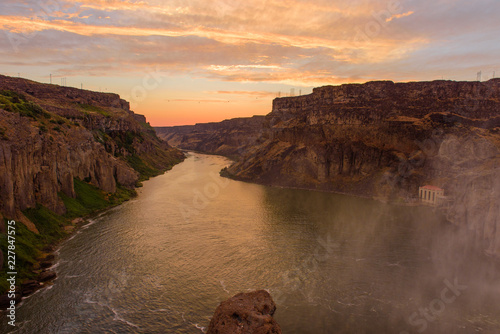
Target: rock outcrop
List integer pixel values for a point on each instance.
(50, 135)
(346, 138)
(245, 313)
(230, 137)
(382, 140)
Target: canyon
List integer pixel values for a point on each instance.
(52, 135)
(66, 153)
(380, 139)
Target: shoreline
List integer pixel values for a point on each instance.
(416, 203)
(223, 173)
(44, 265)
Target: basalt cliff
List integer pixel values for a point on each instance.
(65, 153)
(229, 138)
(381, 140)
(51, 135)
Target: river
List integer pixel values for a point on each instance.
(162, 262)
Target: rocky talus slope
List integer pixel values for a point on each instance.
(384, 140)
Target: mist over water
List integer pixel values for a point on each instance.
(162, 262)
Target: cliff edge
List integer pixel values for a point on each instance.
(384, 140)
(50, 135)
(229, 138)
(65, 153)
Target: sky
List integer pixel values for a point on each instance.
(192, 61)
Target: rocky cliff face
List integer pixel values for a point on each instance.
(345, 138)
(230, 137)
(50, 135)
(382, 140)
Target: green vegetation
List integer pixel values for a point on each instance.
(88, 199)
(59, 121)
(101, 137)
(3, 133)
(30, 246)
(92, 108)
(141, 167)
(122, 194)
(125, 140)
(153, 163)
(48, 223)
(15, 102)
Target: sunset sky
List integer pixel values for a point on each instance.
(182, 62)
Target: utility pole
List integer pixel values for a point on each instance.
(51, 78)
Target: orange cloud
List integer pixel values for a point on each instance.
(398, 16)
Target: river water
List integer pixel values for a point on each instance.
(162, 262)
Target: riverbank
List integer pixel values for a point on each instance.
(40, 231)
(398, 201)
(35, 251)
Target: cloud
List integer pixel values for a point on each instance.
(297, 42)
(398, 16)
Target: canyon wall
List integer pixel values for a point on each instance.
(384, 140)
(50, 135)
(230, 137)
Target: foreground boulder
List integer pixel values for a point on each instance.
(245, 313)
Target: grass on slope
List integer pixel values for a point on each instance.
(15, 102)
(30, 246)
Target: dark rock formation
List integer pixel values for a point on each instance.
(245, 313)
(346, 138)
(30, 286)
(50, 135)
(382, 140)
(5, 300)
(47, 276)
(230, 137)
